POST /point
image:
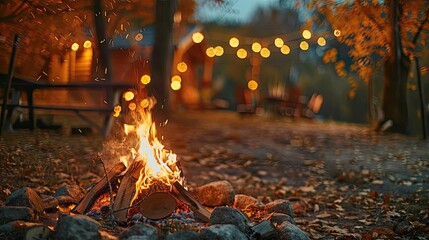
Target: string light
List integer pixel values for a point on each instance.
(252, 85)
(132, 106)
(138, 37)
(218, 51)
(256, 47)
(210, 52)
(278, 42)
(128, 96)
(306, 34)
(176, 78)
(182, 67)
(175, 85)
(321, 41)
(234, 42)
(144, 103)
(304, 45)
(337, 33)
(265, 52)
(87, 44)
(285, 49)
(74, 46)
(241, 53)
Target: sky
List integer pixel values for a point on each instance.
(234, 10)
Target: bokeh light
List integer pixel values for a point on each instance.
(138, 37)
(175, 85)
(74, 46)
(210, 52)
(128, 96)
(144, 103)
(241, 53)
(176, 78)
(233, 42)
(278, 42)
(337, 33)
(306, 34)
(218, 51)
(265, 52)
(87, 44)
(285, 49)
(252, 85)
(321, 41)
(182, 67)
(197, 37)
(132, 106)
(256, 47)
(145, 79)
(304, 45)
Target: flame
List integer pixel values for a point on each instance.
(159, 164)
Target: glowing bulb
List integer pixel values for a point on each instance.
(74, 46)
(252, 85)
(145, 79)
(144, 103)
(197, 37)
(176, 78)
(233, 42)
(128, 96)
(210, 52)
(117, 109)
(218, 51)
(175, 85)
(138, 37)
(256, 47)
(87, 44)
(304, 45)
(182, 67)
(278, 42)
(306, 34)
(337, 33)
(285, 49)
(265, 52)
(241, 53)
(321, 41)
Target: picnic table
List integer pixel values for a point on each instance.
(20, 86)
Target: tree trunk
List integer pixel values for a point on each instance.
(396, 70)
(162, 57)
(395, 106)
(102, 41)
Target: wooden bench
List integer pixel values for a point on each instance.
(19, 86)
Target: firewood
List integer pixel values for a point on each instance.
(126, 191)
(158, 205)
(264, 230)
(183, 195)
(86, 203)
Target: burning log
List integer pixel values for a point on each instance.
(126, 191)
(158, 205)
(86, 203)
(183, 195)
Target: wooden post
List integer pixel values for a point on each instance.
(9, 80)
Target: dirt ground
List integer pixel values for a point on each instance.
(343, 180)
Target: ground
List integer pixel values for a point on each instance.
(343, 180)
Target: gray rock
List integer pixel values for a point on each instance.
(183, 235)
(26, 197)
(279, 218)
(242, 201)
(106, 236)
(219, 193)
(141, 231)
(12, 213)
(228, 215)
(18, 230)
(69, 194)
(222, 232)
(77, 227)
(289, 231)
(279, 206)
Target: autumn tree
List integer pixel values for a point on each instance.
(390, 32)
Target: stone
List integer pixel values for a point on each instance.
(141, 231)
(219, 193)
(228, 215)
(14, 213)
(106, 236)
(18, 230)
(26, 197)
(289, 231)
(77, 227)
(242, 201)
(279, 206)
(183, 235)
(279, 218)
(69, 194)
(222, 232)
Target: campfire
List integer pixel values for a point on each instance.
(147, 180)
